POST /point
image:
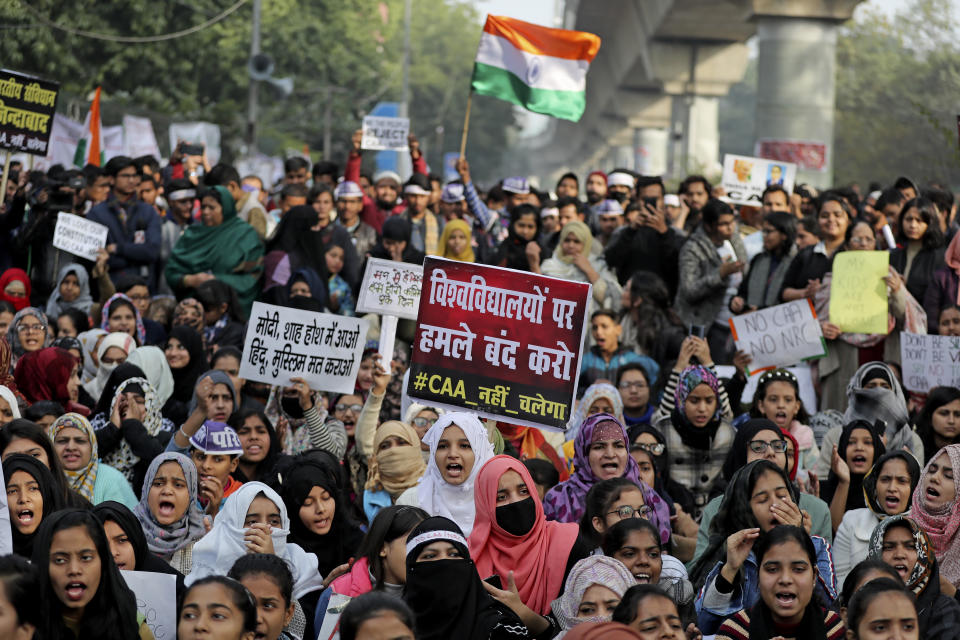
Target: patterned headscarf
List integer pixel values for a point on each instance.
(105, 316)
(590, 395)
(123, 458)
(165, 540)
(599, 570)
(180, 316)
(942, 526)
(690, 379)
(82, 480)
(566, 501)
(920, 576)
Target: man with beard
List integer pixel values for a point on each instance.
(386, 184)
(596, 187)
(695, 191)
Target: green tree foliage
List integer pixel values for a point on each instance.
(354, 48)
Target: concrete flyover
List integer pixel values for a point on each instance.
(653, 89)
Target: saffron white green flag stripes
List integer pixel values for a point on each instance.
(541, 69)
(90, 147)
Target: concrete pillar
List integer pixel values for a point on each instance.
(796, 85)
(694, 133)
(650, 150)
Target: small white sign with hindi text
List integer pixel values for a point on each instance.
(79, 236)
(391, 288)
(381, 133)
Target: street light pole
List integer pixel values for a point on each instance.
(252, 96)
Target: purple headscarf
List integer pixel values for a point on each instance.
(692, 377)
(566, 501)
(105, 317)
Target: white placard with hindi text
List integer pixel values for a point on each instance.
(779, 336)
(156, 600)
(322, 348)
(79, 236)
(381, 133)
(745, 178)
(391, 288)
(929, 361)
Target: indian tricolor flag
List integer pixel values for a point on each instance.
(541, 69)
(90, 146)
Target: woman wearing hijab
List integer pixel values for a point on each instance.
(944, 290)
(156, 369)
(188, 312)
(592, 591)
(459, 447)
(185, 356)
(119, 314)
(70, 293)
(23, 436)
(29, 331)
(76, 446)
(600, 397)
(12, 409)
(573, 260)
(28, 508)
(320, 525)
(936, 508)
(601, 452)
(697, 430)
(169, 511)
(520, 250)
(244, 522)
(860, 446)
(15, 288)
(222, 246)
(50, 374)
(445, 591)
(456, 246)
(128, 544)
(887, 489)
(90, 340)
(511, 534)
(111, 353)
(395, 466)
(298, 243)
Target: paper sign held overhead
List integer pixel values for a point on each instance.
(745, 178)
(501, 343)
(390, 288)
(381, 133)
(858, 292)
(779, 336)
(322, 348)
(929, 361)
(79, 236)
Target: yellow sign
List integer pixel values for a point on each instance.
(858, 293)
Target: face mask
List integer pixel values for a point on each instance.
(291, 406)
(517, 518)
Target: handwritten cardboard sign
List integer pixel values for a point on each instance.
(79, 236)
(322, 348)
(27, 105)
(381, 133)
(745, 178)
(779, 336)
(156, 595)
(391, 288)
(929, 361)
(858, 292)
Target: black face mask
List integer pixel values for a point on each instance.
(517, 518)
(291, 406)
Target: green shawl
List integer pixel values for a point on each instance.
(231, 251)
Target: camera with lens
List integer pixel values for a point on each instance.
(61, 193)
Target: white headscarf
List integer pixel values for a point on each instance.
(440, 498)
(216, 552)
(154, 364)
(11, 399)
(115, 339)
(89, 341)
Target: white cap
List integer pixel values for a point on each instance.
(671, 200)
(546, 212)
(620, 179)
(610, 208)
(347, 189)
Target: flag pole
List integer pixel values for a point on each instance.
(466, 126)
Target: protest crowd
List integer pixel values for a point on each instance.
(696, 487)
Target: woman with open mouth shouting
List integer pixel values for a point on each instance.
(168, 510)
(936, 509)
(901, 543)
(787, 607)
(859, 446)
(728, 575)
(459, 446)
(31, 495)
(887, 488)
(82, 593)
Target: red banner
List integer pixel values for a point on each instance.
(498, 342)
(806, 155)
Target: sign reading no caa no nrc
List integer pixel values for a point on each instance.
(501, 343)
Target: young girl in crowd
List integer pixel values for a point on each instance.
(760, 288)
(511, 535)
(376, 613)
(777, 399)
(76, 446)
(948, 323)
(23, 436)
(459, 447)
(15, 288)
(921, 245)
(902, 544)
(120, 315)
(859, 446)
(455, 241)
(573, 260)
(938, 425)
(151, 360)
(787, 605)
(339, 294)
(649, 440)
(520, 250)
(261, 446)
(112, 352)
(128, 544)
(82, 593)
(29, 331)
(936, 509)
(652, 614)
(616, 499)
(268, 579)
(169, 511)
(887, 488)
(51, 374)
(137, 431)
(185, 356)
(395, 466)
(71, 323)
(217, 607)
(380, 566)
(18, 598)
(223, 315)
(592, 591)
(72, 292)
(31, 497)
(601, 453)
(882, 609)
(600, 397)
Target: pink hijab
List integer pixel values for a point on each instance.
(952, 258)
(538, 559)
(941, 525)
